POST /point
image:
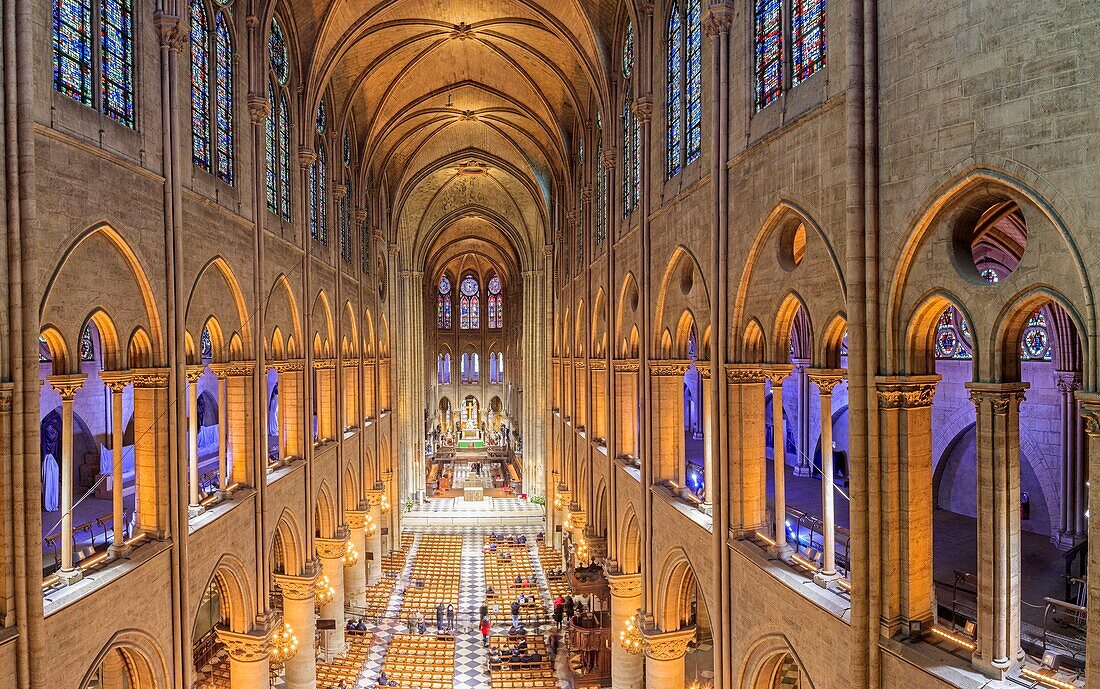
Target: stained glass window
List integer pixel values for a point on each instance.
(347, 148)
(675, 91)
(769, 51)
(72, 49)
(443, 304)
(364, 247)
(601, 194)
(953, 336)
(990, 275)
(1035, 343)
(284, 157)
(116, 33)
(627, 165)
(635, 161)
(200, 86)
(470, 304)
(693, 83)
(495, 312)
(223, 98)
(206, 348)
(628, 52)
(807, 39)
(87, 351)
(322, 118)
(280, 63)
(43, 351)
(344, 221)
(272, 152)
(318, 197)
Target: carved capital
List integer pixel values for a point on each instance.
(244, 648)
(67, 386)
(1090, 412)
(624, 585)
(668, 645)
(999, 396)
(826, 379)
(642, 108)
(597, 364)
(355, 519)
(669, 367)
(609, 159)
(297, 588)
(324, 364)
(194, 372)
(330, 548)
(258, 108)
(149, 377)
(373, 497)
(289, 365)
(704, 369)
(744, 374)
(235, 369)
(360, 216)
(777, 374)
(586, 193)
(171, 31)
(5, 397)
(626, 365)
(717, 20)
(1068, 382)
(306, 156)
(909, 392)
(116, 381)
(339, 191)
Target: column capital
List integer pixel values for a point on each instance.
(1067, 381)
(373, 496)
(744, 374)
(171, 31)
(324, 364)
(67, 385)
(339, 191)
(704, 369)
(777, 373)
(235, 369)
(306, 156)
(669, 367)
(6, 390)
(297, 587)
(258, 108)
(245, 648)
(1090, 412)
(289, 365)
(999, 395)
(609, 159)
(194, 371)
(626, 365)
(624, 585)
(906, 392)
(115, 380)
(149, 377)
(826, 379)
(330, 548)
(668, 645)
(355, 519)
(597, 364)
(717, 19)
(642, 107)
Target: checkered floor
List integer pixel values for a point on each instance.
(507, 505)
(471, 666)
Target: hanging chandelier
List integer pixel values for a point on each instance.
(630, 637)
(351, 554)
(370, 527)
(284, 645)
(582, 552)
(385, 504)
(325, 591)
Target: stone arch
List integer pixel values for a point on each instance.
(368, 334)
(920, 338)
(383, 336)
(579, 344)
(763, 660)
(351, 487)
(599, 509)
(108, 339)
(288, 532)
(683, 288)
(626, 315)
(1009, 327)
(57, 349)
(321, 327)
(599, 324)
(276, 350)
(754, 344)
(676, 587)
(281, 310)
(133, 300)
(792, 309)
(630, 542)
(214, 281)
(139, 351)
(832, 341)
(141, 657)
(350, 331)
(325, 508)
(233, 585)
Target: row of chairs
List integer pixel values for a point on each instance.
(423, 661)
(437, 569)
(349, 667)
(501, 576)
(521, 674)
(551, 559)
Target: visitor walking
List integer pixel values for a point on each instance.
(485, 628)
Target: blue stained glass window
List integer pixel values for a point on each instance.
(769, 51)
(206, 348)
(601, 193)
(1035, 343)
(280, 64)
(200, 86)
(635, 160)
(345, 228)
(990, 275)
(807, 39)
(284, 157)
(364, 248)
(72, 49)
(223, 97)
(347, 148)
(675, 91)
(272, 152)
(443, 315)
(313, 197)
(87, 351)
(117, 45)
(628, 52)
(322, 181)
(322, 118)
(626, 166)
(693, 82)
(953, 336)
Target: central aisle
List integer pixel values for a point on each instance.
(471, 658)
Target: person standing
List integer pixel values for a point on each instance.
(559, 611)
(485, 627)
(439, 617)
(569, 610)
(515, 613)
(483, 611)
(450, 617)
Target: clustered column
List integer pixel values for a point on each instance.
(116, 383)
(355, 575)
(826, 381)
(194, 508)
(626, 599)
(1073, 527)
(373, 542)
(299, 599)
(747, 439)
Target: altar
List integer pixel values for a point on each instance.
(473, 491)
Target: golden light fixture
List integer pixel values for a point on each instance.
(325, 591)
(630, 637)
(370, 527)
(385, 504)
(284, 645)
(351, 554)
(582, 552)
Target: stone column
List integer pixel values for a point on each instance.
(331, 553)
(248, 659)
(1090, 410)
(664, 658)
(779, 459)
(193, 374)
(626, 407)
(668, 421)
(905, 423)
(826, 381)
(299, 599)
(239, 408)
(116, 383)
(802, 436)
(626, 599)
(748, 489)
(326, 421)
(290, 402)
(1072, 529)
(709, 473)
(598, 427)
(373, 537)
(152, 416)
(998, 440)
(223, 433)
(355, 576)
(67, 386)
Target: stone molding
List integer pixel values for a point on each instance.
(624, 585)
(289, 366)
(194, 372)
(626, 365)
(668, 645)
(597, 364)
(704, 369)
(355, 519)
(826, 379)
(669, 367)
(67, 385)
(150, 377)
(744, 374)
(910, 392)
(115, 380)
(6, 395)
(235, 369)
(244, 648)
(331, 548)
(1000, 396)
(297, 588)
(324, 364)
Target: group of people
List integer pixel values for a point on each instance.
(442, 614)
(565, 609)
(519, 654)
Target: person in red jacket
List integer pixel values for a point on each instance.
(485, 628)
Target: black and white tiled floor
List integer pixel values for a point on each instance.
(506, 505)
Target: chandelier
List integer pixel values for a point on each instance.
(325, 591)
(561, 497)
(351, 554)
(284, 644)
(582, 552)
(370, 528)
(385, 504)
(630, 637)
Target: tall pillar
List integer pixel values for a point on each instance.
(355, 576)
(326, 402)
(668, 425)
(905, 423)
(802, 436)
(1090, 410)
(331, 553)
(223, 433)
(193, 374)
(1072, 528)
(299, 599)
(779, 459)
(626, 599)
(152, 417)
(290, 412)
(748, 489)
(998, 440)
(67, 386)
(709, 473)
(373, 537)
(664, 658)
(826, 381)
(249, 666)
(626, 407)
(239, 408)
(116, 383)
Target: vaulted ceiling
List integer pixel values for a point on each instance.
(465, 112)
